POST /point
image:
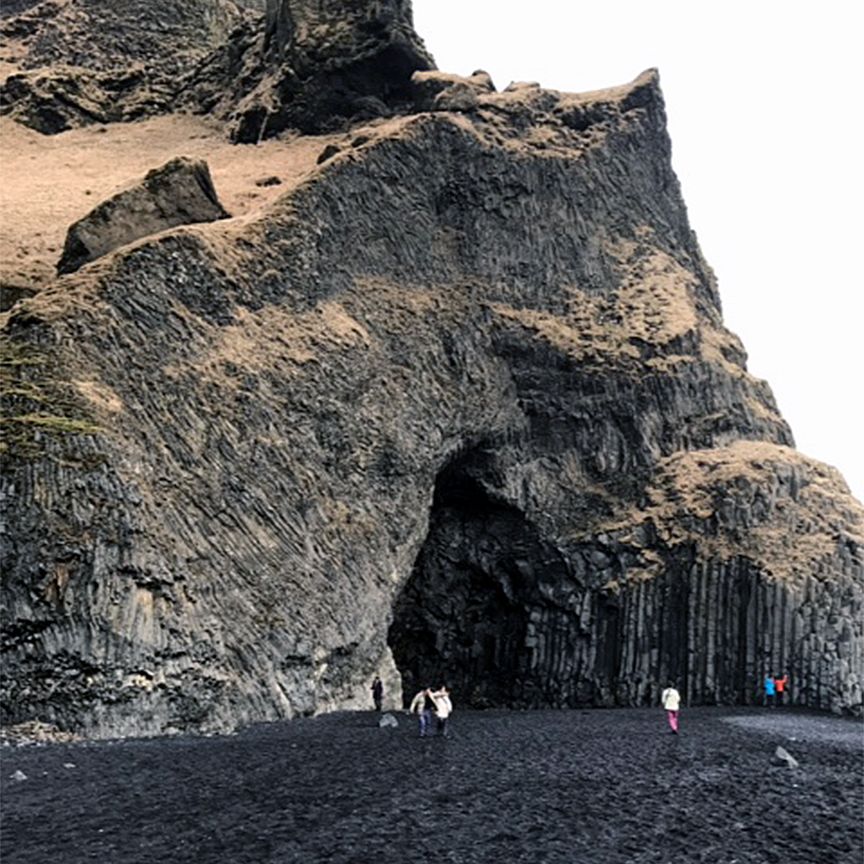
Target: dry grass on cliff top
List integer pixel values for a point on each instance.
(786, 512)
(49, 182)
(277, 340)
(653, 304)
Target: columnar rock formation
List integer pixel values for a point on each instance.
(461, 403)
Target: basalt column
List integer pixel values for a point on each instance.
(508, 616)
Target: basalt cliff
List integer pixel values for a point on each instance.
(455, 404)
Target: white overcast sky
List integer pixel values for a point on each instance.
(763, 100)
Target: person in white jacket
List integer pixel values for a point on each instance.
(670, 698)
(443, 709)
(423, 705)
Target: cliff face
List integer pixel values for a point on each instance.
(302, 65)
(459, 406)
(90, 61)
(311, 67)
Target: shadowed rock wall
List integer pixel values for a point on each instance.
(506, 617)
(469, 382)
(313, 67)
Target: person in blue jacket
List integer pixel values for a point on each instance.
(770, 690)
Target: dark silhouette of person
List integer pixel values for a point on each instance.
(377, 693)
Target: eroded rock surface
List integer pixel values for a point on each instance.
(60, 98)
(459, 404)
(180, 192)
(312, 67)
(93, 34)
(301, 65)
(88, 61)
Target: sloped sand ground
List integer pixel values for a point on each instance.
(49, 182)
(555, 786)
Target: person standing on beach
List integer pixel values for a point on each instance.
(443, 709)
(780, 688)
(770, 690)
(671, 701)
(423, 706)
(377, 693)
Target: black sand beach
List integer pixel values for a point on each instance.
(551, 786)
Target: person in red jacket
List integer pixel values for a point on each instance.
(780, 688)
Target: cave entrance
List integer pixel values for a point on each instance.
(463, 617)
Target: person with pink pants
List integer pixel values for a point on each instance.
(671, 701)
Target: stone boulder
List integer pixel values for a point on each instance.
(181, 192)
(783, 756)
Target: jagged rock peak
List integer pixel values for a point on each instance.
(317, 66)
(311, 31)
(304, 65)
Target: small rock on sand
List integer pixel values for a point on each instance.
(785, 756)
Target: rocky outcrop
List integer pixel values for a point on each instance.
(313, 67)
(440, 91)
(61, 98)
(180, 192)
(302, 65)
(92, 34)
(459, 404)
(88, 61)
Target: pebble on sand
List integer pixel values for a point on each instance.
(785, 756)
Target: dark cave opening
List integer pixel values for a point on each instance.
(463, 617)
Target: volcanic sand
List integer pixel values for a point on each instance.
(547, 786)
